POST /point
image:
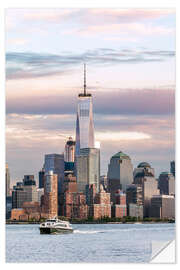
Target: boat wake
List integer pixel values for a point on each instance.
(87, 232)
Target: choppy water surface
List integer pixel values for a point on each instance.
(89, 243)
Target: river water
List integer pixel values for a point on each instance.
(100, 243)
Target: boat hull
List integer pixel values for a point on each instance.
(54, 230)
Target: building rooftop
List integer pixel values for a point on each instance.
(121, 155)
(144, 165)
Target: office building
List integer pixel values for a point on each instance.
(7, 181)
(29, 180)
(8, 206)
(29, 186)
(134, 194)
(50, 197)
(40, 192)
(70, 150)
(135, 210)
(41, 178)
(166, 183)
(120, 173)
(172, 166)
(55, 163)
(163, 206)
(119, 209)
(149, 184)
(88, 168)
(103, 181)
(98, 202)
(19, 196)
(84, 122)
(68, 168)
(140, 168)
(134, 200)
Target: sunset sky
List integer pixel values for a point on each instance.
(130, 57)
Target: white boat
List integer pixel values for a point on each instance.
(54, 226)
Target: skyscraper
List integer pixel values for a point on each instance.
(166, 183)
(88, 168)
(50, 197)
(70, 150)
(120, 173)
(41, 178)
(145, 179)
(55, 163)
(172, 165)
(84, 122)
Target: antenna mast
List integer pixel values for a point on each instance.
(84, 79)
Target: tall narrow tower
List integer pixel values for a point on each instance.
(84, 122)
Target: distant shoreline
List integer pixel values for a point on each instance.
(37, 222)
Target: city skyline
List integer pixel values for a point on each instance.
(134, 116)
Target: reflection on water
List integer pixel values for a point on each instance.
(89, 243)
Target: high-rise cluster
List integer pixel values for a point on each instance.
(70, 183)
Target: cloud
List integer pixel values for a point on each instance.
(95, 16)
(144, 138)
(122, 102)
(32, 65)
(89, 22)
(135, 29)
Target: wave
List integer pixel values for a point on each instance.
(122, 230)
(88, 232)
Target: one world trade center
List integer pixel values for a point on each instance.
(84, 122)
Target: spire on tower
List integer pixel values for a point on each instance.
(84, 94)
(84, 79)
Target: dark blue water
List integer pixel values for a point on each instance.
(89, 243)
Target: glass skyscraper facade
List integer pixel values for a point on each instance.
(88, 168)
(55, 163)
(87, 157)
(84, 122)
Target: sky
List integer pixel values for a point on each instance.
(130, 63)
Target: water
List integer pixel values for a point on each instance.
(89, 243)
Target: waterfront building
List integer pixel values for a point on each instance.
(41, 178)
(120, 173)
(166, 183)
(163, 206)
(172, 165)
(149, 184)
(70, 150)
(88, 168)
(99, 202)
(25, 191)
(134, 200)
(75, 205)
(55, 163)
(8, 206)
(7, 181)
(50, 197)
(29, 211)
(84, 122)
(135, 210)
(19, 196)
